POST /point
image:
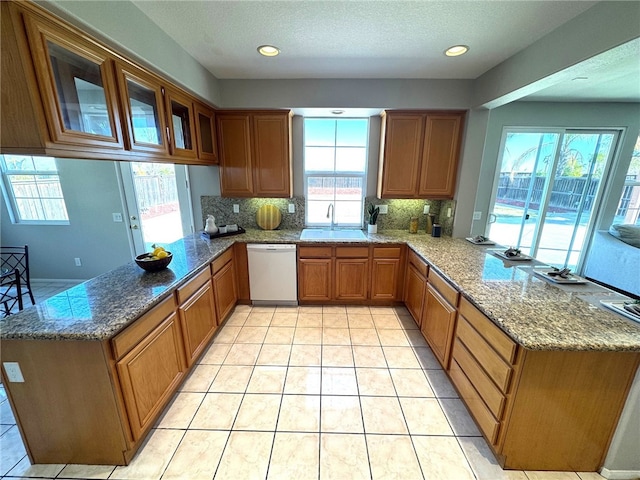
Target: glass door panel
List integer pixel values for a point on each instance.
(181, 124)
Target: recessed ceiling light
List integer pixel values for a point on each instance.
(456, 50)
(337, 112)
(268, 50)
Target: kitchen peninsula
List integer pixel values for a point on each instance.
(544, 373)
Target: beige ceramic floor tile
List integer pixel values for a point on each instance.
(425, 416)
(308, 336)
(440, 384)
(258, 412)
(215, 354)
(393, 338)
(25, 469)
(343, 457)
(386, 322)
(287, 308)
(427, 359)
(243, 354)
(181, 410)
(552, 475)
(400, 357)
(274, 355)
(309, 320)
(284, 319)
(407, 322)
(364, 336)
(335, 321)
(375, 382)
(295, 456)
(299, 413)
(306, 355)
(217, 411)
(303, 381)
(280, 335)
(483, 463)
(153, 457)
(243, 308)
(334, 309)
(441, 458)
(246, 456)
(11, 450)
(264, 309)
(200, 378)
(368, 356)
(258, 319)
(227, 334)
(337, 356)
(339, 381)
(340, 414)
(86, 471)
(362, 309)
(310, 309)
(335, 336)
(251, 334)
(198, 455)
(236, 319)
(360, 320)
(392, 457)
(459, 418)
(231, 378)
(267, 379)
(383, 415)
(415, 338)
(382, 310)
(590, 476)
(411, 383)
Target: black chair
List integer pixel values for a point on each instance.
(17, 258)
(10, 292)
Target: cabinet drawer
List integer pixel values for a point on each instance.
(189, 288)
(441, 285)
(418, 263)
(485, 420)
(387, 252)
(489, 360)
(221, 261)
(499, 340)
(314, 252)
(352, 252)
(140, 328)
(492, 396)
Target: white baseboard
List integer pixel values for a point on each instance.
(620, 474)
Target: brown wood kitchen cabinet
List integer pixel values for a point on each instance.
(255, 153)
(386, 270)
(415, 286)
(351, 269)
(419, 154)
(224, 284)
(315, 273)
(205, 123)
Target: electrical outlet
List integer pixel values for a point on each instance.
(14, 374)
(477, 215)
(292, 208)
(449, 212)
(78, 262)
(426, 209)
(236, 208)
(117, 217)
(384, 209)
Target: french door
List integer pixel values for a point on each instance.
(157, 201)
(547, 191)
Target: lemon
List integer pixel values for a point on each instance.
(162, 254)
(157, 250)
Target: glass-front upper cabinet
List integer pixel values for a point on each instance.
(77, 86)
(206, 134)
(143, 109)
(181, 124)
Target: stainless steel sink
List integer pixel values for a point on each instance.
(320, 234)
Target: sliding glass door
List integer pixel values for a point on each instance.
(547, 190)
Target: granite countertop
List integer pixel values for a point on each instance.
(532, 311)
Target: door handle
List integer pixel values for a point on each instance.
(133, 227)
(492, 218)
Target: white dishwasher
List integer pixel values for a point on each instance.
(273, 278)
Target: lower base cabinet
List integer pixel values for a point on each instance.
(224, 285)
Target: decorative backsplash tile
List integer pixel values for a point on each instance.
(401, 211)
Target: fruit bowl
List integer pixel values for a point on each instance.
(149, 264)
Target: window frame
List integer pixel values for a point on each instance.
(9, 194)
(632, 183)
(335, 174)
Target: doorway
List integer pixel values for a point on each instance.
(547, 191)
(157, 200)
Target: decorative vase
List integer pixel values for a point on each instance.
(372, 228)
(210, 226)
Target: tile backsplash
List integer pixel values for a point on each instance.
(398, 217)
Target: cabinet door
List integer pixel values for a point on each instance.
(351, 278)
(142, 103)
(180, 118)
(226, 293)
(414, 292)
(438, 324)
(236, 177)
(402, 149)
(440, 156)
(77, 86)
(272, 155)
(314, 279)
(150, 373)
(385, 274)
(198, 321)
(206, 134)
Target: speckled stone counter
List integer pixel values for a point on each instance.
(535, 313)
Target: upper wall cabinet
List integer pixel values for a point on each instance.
(255, 153)
(65, 94)
(206, 133)
(419, 154)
